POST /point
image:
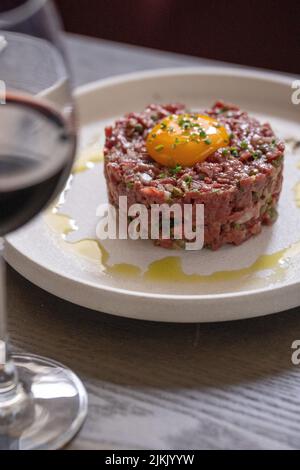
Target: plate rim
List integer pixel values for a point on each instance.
(276, 77)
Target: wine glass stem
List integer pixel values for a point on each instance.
(3, 317)
(8, 378)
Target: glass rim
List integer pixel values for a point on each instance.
(20, 13)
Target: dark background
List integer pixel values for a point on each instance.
(262, 33)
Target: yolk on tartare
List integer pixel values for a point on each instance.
(185, 139)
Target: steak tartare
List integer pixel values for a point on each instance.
(239, 184)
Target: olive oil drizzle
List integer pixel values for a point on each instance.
(297, 194)
(87, 160)
(168, 268)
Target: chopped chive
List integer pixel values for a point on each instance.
(176, 169)
(176, 192)
(188, 179)
(176, 142)
(139, 128)
(225, 152)
(163, 125)
(244, 144)
(207, 141)
(159, 148)
(256, 154)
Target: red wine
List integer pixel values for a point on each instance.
(36, 154)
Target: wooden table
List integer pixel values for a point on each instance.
(164, 386)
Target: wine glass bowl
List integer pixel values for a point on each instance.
(42, 403)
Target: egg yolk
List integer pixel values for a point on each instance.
(185, 139)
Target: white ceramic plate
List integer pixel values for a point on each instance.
(259, 277)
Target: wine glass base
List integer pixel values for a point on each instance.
(47, 409)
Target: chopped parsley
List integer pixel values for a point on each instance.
(207, 141)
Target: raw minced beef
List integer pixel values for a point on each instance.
(239, 185)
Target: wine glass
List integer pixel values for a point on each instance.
(42, 403)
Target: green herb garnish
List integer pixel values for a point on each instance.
(234, 151)
(176, 169)
(139, 128)
(188, 180)
(176, 142)
(176, 192)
